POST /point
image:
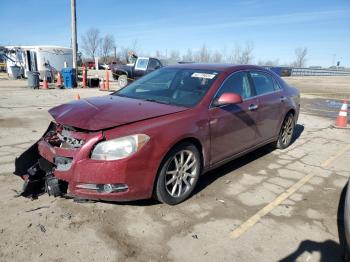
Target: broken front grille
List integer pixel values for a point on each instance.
(64, 137)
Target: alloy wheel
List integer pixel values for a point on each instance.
(287, 130)
(181, 173)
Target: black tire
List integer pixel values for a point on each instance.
(346, 254)
(341, 218)
(162, 190)
(122, 81)
(284, 140)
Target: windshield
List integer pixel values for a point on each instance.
(177, 86)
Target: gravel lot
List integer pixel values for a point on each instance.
(302, 227)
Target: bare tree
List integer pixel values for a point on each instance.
(216, 57)
(91, 42)
(203, 55)
(300, 57)
(246, 56)
(107, 47)
(188, 57)
(134, 46)
(158, 54)
(242, 56)
(268, 62)
(235, 55)
(123, 54)
(225, 57)
(174, 56)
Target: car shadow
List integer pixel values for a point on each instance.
(216, 173)
(211, 176)
(298, 130)
(329, 250)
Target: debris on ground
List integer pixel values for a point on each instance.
(227, 181)
(67, 215)
(42, 228)
(195, 236)
(329, 188)
(220, 200)
(34, 209)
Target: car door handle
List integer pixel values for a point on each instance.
(253, 107)
(283, 98)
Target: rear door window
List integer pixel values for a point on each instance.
(263, 82)
(237, 83)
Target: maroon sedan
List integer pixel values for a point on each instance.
(156, 136)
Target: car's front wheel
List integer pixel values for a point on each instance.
(286, 132)
(122, 81)
(178, 174)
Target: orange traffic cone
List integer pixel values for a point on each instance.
(342, 119)
(77, 97)
(45, 84)
(59, 80)
(107, 81)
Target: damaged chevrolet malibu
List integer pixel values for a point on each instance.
(156, 136)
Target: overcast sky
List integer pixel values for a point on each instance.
(275, 28)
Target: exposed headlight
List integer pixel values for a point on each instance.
(119, 148)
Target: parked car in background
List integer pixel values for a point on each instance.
(90, 65)
(126, 73)
(156, 136)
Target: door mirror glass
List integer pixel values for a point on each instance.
(228, 99)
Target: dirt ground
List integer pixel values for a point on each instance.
(303, 227)
(326, 86)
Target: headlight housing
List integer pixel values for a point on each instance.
(119, 148)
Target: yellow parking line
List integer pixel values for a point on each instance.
(332, 158)
(282, 197)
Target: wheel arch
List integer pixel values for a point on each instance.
(190, 139)
(121, 72)
(292, 111)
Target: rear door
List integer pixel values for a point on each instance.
(233, 127)
(271, 105)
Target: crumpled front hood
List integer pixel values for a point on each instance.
(104, 112)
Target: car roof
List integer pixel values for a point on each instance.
(215, 67)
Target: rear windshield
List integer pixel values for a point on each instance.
(177, 86)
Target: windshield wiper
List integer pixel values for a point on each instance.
(157, 101)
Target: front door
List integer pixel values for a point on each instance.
(233, 127)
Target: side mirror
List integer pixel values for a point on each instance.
(228, 99)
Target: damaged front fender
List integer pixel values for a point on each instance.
(37, 171)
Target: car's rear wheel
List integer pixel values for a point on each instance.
(286, 132)
(178, 174)
(122, 81)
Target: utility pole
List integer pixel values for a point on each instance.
(74, 36)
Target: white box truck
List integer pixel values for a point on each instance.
(47, 60)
